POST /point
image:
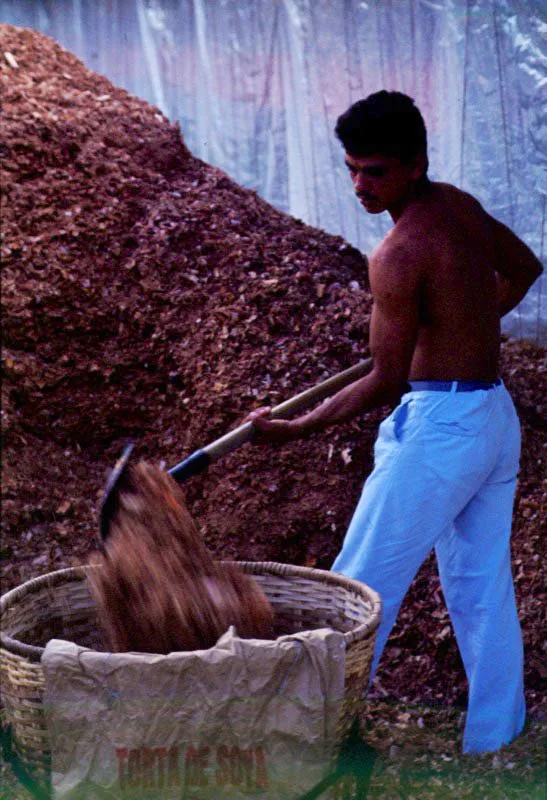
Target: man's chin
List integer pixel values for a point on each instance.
(372, 206)
(376, 210)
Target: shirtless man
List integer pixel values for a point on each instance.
(446, 459)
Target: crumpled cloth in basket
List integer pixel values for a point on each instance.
(247, 718)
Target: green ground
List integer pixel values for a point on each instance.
(419, 756)
(413, 753)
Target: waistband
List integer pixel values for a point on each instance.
(452, 386)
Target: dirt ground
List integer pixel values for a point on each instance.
(146, 297)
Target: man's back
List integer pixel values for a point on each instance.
(454, 248)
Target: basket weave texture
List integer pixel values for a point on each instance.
(59, 605)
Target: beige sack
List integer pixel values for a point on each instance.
(247, 718)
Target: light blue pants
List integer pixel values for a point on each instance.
(444, 476)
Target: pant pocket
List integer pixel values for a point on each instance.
(399, 418)
(459, 414)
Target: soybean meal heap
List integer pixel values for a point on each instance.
(147, 297)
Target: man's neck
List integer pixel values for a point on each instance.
(417, 191)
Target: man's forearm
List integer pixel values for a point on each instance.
(363, 395)
(517, 267)
(510, 293)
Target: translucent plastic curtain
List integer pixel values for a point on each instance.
(257, 86)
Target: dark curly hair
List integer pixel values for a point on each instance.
(385, 122)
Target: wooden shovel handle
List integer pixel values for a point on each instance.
(201, 459)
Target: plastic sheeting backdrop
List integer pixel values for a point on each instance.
(257, 86)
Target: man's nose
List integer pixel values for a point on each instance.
(359, 181)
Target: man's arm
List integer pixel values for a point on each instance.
(395, 284)
(516, 267)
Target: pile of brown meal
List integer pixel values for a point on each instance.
(157, 587)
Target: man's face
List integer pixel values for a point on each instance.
(382, 183)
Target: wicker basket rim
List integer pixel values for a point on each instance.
(52, 579)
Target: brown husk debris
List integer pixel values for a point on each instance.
(156, 586)
(147, 297)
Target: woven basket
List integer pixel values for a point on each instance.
(59, 605)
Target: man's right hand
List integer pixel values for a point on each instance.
(271, 431)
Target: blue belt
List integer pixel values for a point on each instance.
(448, 386)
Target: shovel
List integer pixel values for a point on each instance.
(201, 459)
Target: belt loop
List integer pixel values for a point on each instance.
(454, 387)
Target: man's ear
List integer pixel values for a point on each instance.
(419, 166)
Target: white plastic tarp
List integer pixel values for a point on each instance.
(257, 86)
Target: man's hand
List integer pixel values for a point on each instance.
(271, 431)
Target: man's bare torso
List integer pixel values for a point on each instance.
(454, 250)
(440, 280)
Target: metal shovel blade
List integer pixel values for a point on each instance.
(110, 501)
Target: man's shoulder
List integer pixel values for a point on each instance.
(428, 224)
(395, 267)
(398, 250)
